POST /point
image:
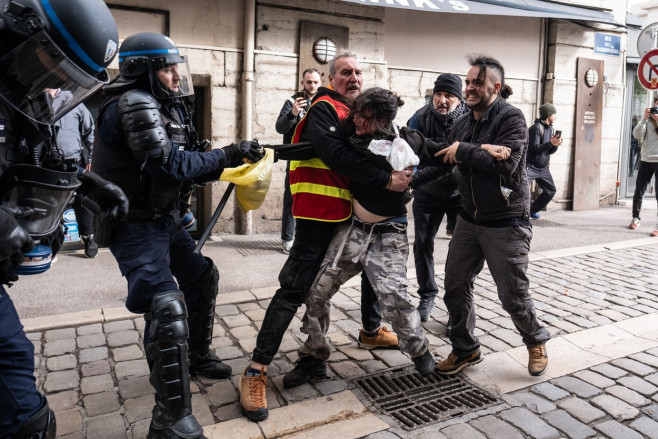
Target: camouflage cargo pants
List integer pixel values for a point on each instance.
(381, 250)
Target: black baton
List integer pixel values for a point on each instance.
(213, 220)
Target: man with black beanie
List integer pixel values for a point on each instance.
(542, 142)
(436, 188)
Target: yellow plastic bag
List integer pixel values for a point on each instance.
(252, 181)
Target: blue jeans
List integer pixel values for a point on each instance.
(287, 219)
(505, 249)
(19, 397)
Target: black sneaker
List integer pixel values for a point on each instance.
(91, 248)
(425, 307)
(306, 368)
(424, 363)
(453, 364)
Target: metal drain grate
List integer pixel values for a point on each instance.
(417, 401)
(250, 248)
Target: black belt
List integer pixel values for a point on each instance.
(400, 228)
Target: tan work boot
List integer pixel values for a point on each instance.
(538, 360)
(253, 398)
(384, 339)
(453, 364)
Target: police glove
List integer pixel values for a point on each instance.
(251, 151)
(14, 240)
(110, 201)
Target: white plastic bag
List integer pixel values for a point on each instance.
(397, 152)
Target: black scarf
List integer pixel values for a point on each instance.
(361, 143)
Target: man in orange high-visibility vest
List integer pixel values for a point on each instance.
(321, 201)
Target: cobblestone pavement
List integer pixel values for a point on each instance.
(93, 370)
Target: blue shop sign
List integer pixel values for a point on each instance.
(607, 44)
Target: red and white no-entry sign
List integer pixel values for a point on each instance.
(647, 71)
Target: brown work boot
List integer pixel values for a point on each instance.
(253, 398)
(453, 364)
(538, 360)
(384, 339)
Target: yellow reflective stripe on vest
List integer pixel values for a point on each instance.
(318, 189)
(312, 163)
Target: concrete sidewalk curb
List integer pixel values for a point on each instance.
(230, 298)
(339, 415)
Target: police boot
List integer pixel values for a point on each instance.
(166, 352)
(41, 425)
(203, 361)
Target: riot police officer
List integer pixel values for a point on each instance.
(145, 143)
(43, 44)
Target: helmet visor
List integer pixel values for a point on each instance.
(171, 77)
(42, 193)
(37, 64)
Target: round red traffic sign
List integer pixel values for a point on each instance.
(647, 71)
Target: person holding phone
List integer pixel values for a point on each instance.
(542, 142)
(292, 112)
(647, 130)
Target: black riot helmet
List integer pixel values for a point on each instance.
(64, 44)
(145, 57)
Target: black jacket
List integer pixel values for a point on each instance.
(435, 183)
(286, 122)
(540, 147)
(484, 179)
(383, 202)
(321, 128)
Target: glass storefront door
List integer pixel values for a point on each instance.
(636, 102)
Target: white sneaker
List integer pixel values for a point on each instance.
(635, 223)
(286, 246)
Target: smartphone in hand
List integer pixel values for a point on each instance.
(558, 134)
(300, 94)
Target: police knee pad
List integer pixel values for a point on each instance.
(41, 425)
(168, 317)
(209, 281)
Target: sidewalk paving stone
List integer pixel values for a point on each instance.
(101, 403)
(627, 395)
(563, 421)
(639, 385)
(130, 352)
(581, 409)
(62, 362)
(615, 407)
(135, 387)
(646, 426)
(96, 384)
(106, 426)
(615, 430)
(91, 340)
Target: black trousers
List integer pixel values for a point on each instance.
(645, 173)
(427, 219)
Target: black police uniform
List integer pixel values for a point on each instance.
(19, 397)
(167, 282)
